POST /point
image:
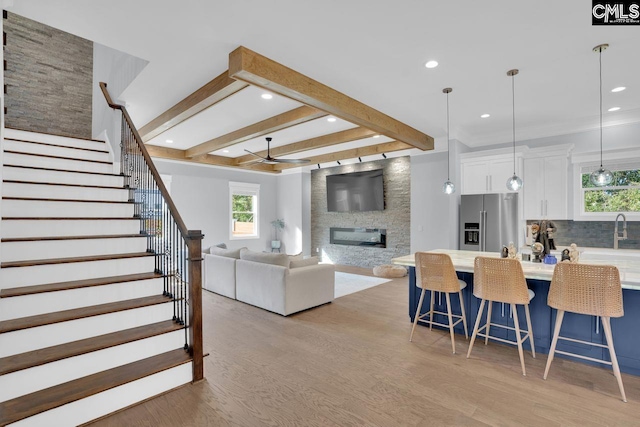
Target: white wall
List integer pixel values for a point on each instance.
(118, 70)
(289, 208)
(201, 194)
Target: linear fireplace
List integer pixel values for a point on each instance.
(372, 237)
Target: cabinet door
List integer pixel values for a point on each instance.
(474, 177)
(555, 187)
(499, 172)
(533, 189)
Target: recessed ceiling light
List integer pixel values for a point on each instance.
(225, 151)
(266, 96)
(485, 115)
(331, 119)
(618, 89)
(613, 109)
(376, 136)
(431, 64)
(169, 141)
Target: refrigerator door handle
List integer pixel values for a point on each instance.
(480, 233)
(541, 209)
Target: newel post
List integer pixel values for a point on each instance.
(195, 302)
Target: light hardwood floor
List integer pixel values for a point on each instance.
(350, 363)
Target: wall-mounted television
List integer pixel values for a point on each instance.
(355, 192)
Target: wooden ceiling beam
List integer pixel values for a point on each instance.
(210, 94)
(353, 153)
(258, 70)
(272, 124)
(208, 159)
(311, 144)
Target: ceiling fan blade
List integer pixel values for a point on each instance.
(257, 155)
(292, 161)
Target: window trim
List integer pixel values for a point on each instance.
(587, 162)
(246, 189)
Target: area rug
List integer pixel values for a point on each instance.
(347, 283)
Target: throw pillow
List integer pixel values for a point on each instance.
(229, 253)
(296, 257)
(265, 257)
(304, 262)
(207, 251)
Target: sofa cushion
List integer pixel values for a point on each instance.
(219, 245)
(304, 262)
(229, 253)
(265, 257)
(296, 257)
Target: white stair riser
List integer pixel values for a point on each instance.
(15, 277)
(48, 249)
(46, 208)
(47, 228)
(23, 174)
(54, 139)
(30, 339)
(112, 400)
(53, 150)
(40, 377)
(49, 302)
(11, 189)
(49, 162)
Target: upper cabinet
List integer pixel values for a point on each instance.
(545, 183)
(488, 173)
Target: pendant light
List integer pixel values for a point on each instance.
(448, 187)
(514, 183)
(602, 176)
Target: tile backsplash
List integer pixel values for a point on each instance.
(598, 234)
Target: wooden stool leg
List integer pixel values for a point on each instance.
(453, 339)
(431, 311)
(606, 325)
(518, 338)
(475, 329)
(417, 316)
(464, 316)
(554, 342)
(486, 331)
(530, 328)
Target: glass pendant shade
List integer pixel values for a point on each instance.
(514, 183)
(449, 187)
(602, 177)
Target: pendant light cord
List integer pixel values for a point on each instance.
(448, 148)
(600, 62)
(513, 106)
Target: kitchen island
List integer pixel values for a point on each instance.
(626, 329)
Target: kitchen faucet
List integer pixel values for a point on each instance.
(616, 234)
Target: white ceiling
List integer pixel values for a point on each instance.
(373, 51)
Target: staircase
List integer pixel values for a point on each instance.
(92, 316)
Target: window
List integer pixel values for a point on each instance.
(244, 218)
(623, 195)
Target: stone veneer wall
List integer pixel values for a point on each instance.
(396, 217)
(49, 76)
(595, 234)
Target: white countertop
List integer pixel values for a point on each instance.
(627, 261)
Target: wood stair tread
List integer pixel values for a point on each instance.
(42, 356)
(60, 170)
(76, 284)
(62, 218)
(104, 236)
(63, 184)
(42, 199)
(51, 156)
(58, 145)
(79, 313)
(30, 263)
(53, 397)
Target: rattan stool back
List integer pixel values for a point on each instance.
(435, 272)
(500, 279)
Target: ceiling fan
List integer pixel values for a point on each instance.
(272, 160)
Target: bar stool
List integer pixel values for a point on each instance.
(502, 280)
(593, 290)
(435, 272)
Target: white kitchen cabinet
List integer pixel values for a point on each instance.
(545, 187)
(488, 174)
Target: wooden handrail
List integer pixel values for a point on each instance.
(192, 240)
(152, 168)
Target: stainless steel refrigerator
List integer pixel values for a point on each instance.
(488, 221)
